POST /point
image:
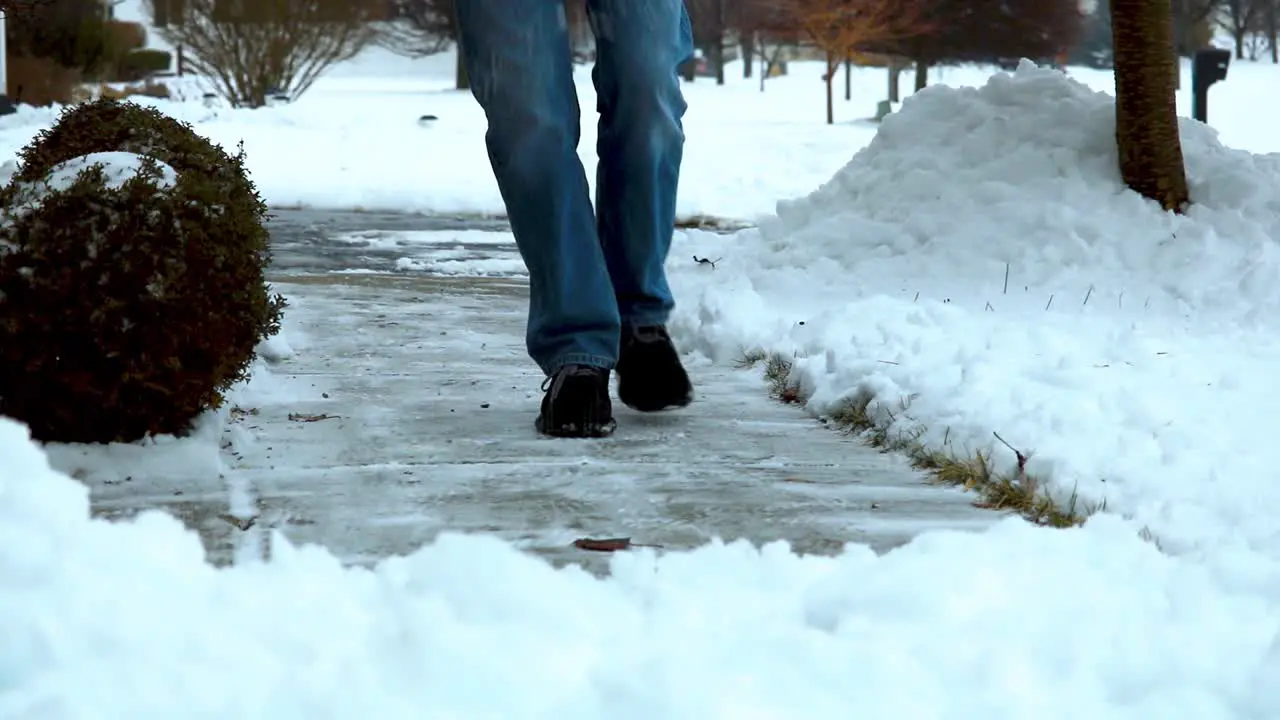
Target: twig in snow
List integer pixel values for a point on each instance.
(989, 308)
(1087, 295)
(707, 261)
(1046, 305)
(1147, 304)
(1006, 279)
(1120, 301)
(917, 297)
(1022, 461)
(946, 436)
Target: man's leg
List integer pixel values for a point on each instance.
(640, 46)
(518, 59)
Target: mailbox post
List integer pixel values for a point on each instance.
(1207, 67)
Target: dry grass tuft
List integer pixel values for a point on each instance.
(1015, 491)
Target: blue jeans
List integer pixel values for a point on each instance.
(589, 273)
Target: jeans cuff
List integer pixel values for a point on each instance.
(596, 361)
(645, 319)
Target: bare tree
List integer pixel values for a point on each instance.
(769, 27)
(1253, 27)
(1271, 27)
(1146, 115)
(988, 31)
(710, 21)
(1240, 17)
(20, 6)
(1191, 19)
(844, 28)
(251, 49)
(420, 28)
(1192, 29)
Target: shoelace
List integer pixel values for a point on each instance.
(565, 372)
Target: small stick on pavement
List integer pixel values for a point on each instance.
(303, 417)
(608, 544)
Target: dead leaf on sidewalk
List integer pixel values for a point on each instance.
(241, 524)
(608, 544)
(304, 417)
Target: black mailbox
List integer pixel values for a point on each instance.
(1207, 67)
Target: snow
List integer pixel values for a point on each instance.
(1131, 350)
(124, 620)
(1128, 350)
(117, 169)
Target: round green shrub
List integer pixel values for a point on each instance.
(132, 277)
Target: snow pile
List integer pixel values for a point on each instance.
(124, 620)
(982, 258)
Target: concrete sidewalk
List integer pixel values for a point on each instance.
(408, 410)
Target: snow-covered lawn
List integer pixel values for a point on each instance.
(1133, 352)
(354, 141)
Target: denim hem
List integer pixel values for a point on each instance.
(596, 361)
(646, 319)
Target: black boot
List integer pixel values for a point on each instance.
(577, 404)
(650, 375)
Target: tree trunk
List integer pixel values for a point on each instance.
(1273, 29)
(922, 75)
(895, 75)
(718, 53)
(721, 24)
(748, 47)
(1238, 38)
(1146, 111)
(461, 80)
(829, 79)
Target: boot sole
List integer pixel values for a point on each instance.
(576, 430)
(645, 407)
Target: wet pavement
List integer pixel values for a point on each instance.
(408, 410)
(318, 241)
